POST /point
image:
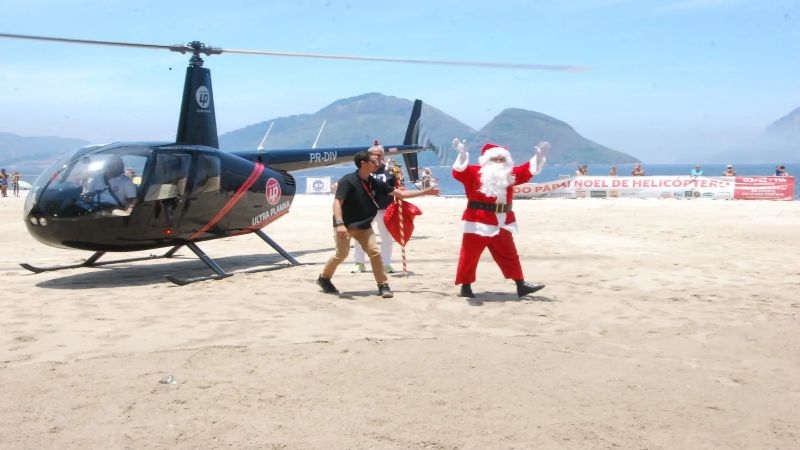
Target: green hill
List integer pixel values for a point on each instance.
(351, 121)
(520, 130)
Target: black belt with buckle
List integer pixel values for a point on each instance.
(493, 207)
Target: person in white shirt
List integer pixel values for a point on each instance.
(113, 187)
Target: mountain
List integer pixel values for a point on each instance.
(788, 125)
(782, 139)
(778, 144)
(358, 120)
(520, 130)
(352, 121)
(23, 151)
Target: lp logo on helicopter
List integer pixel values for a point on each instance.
(202, 96)
(273, 191)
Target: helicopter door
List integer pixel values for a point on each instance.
(166, 189)
(205, 200)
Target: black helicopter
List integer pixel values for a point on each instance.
(178, 194)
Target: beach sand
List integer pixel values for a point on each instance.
(664, 324)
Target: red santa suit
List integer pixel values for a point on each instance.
(488, 220)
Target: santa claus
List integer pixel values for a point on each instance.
(489, 220)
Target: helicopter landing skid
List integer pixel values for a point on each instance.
(92, 261)
(220, 273)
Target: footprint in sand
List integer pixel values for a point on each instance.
(732, 382)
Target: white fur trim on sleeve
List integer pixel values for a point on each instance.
(460, 166)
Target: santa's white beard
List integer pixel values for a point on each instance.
(496, 178)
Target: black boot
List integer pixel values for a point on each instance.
(466, 291)
(524, 288)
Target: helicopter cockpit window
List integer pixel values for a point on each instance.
(206, 175)
(94, 182)
(53, 173)
(169, 176)
(110, 186)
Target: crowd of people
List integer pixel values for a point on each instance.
(7, 179)
(638, 171)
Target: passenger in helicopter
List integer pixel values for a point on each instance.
(112, 187)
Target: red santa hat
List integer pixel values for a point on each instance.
(490, 151)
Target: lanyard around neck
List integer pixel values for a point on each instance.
(366, 189)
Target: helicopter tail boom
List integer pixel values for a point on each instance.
(313, 158)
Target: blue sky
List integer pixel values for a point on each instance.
(669, 80)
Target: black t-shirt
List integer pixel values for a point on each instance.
(356, 195)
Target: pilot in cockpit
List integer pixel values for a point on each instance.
(112, 187)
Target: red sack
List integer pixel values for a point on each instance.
(392, 220)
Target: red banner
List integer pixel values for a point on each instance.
(677, 186)
(764, 188)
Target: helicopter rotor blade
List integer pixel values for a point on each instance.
(414, 61)
(83, 41)
(181, 48)
(201, 48)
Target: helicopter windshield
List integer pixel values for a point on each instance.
(91, 181)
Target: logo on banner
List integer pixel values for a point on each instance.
(318, 185)
(273, 191)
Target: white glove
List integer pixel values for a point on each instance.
(542, 149)
(459, 146)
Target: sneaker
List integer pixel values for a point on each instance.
(326, 285)
(384, 291)
(358, 268)
(466, 291)
(388, 268)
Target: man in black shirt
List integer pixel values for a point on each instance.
(384, 174)
(354, 207)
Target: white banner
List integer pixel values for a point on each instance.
(632, 187)
(318, 185)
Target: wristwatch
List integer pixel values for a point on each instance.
(336, 223)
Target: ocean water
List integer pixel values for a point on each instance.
(449, 186)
